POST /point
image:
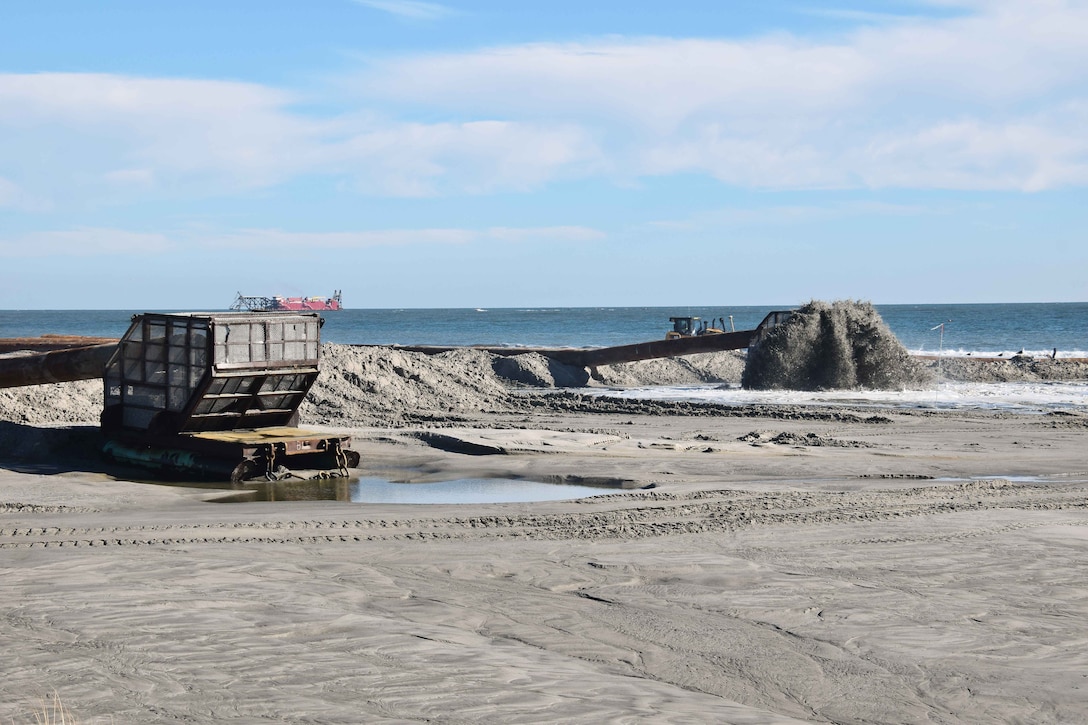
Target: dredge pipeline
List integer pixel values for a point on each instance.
(56, 366)
(669, 347)
(592, 357)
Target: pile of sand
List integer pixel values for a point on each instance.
(843, 345)
(78, 402)
(536, 371)
(386, 386)
(34, 420)
(707, 367)
(1019, 368)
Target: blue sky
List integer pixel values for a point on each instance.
(505, 154)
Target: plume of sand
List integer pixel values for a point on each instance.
(843, 345)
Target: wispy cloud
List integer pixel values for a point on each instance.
(786, 112)
(8, 192)
(87, 242)
(857, 16)
(545, 234)
(417, 159)
(188, 133)
(84, 242)
(409, 8)
(994, 97)
(733, 217)
(274, 239)
(193, 137)
(12, 196)
(278, 239)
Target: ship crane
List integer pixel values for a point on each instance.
(276, 303)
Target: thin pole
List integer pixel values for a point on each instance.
(940, 356)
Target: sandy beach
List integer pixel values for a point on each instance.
(762, 564)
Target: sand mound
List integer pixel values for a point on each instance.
(35, 420)
(707, 367)
(839, 346)
(78, 402)
(537, 371)
(386, 386)
(1018, 368)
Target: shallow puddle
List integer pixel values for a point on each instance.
(1011, 479)
(470, 490)
(369, 489)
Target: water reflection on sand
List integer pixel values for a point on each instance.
(369, 489)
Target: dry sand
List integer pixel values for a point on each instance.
(788, 564)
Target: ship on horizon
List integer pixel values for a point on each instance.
(276, 303)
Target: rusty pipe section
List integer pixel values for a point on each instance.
(592, 357)
(58, 366)
(717, 342)
(49, 342)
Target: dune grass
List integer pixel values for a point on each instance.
(50, 711)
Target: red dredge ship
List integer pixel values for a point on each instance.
(287, 304)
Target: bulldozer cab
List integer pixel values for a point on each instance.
(691, 326)
(683, 326)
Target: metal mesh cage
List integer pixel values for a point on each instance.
(211, 371)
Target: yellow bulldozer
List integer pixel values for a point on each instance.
(694, 326)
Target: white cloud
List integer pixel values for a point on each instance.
(424, 159)
(546, 234)
(1028, 154)
(12, 196)
(211, 137)
(84, 242)
(653, 83)
(9, 192)
(1007, 51)
(278, 239)
(730, 218)
(409, 8)
(786, 112)
(88, 242)
(131, 177)
(226, 133)
(860, 16)
(992, 98)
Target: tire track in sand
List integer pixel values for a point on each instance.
(623, 516)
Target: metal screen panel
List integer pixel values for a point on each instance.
(212, 371)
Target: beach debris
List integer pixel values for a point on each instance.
(799, 440)
(842, 345)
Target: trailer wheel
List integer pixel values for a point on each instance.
(244, 471)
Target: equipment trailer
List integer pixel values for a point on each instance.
(216, 395)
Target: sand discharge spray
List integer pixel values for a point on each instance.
(843, 345)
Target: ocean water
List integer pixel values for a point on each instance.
(979, 329)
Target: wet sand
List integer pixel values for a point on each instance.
(787, 565)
